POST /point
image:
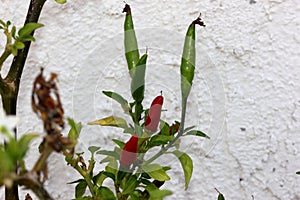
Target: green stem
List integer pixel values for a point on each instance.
(41, 162)
(86, 177)
(117, 188)
(181, 130)
(3, 57)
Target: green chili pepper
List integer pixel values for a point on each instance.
(138, 79)
(130, 41)
(188, 59)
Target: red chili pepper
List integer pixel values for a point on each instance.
(129, 151)
(153, 116)
(175, 130)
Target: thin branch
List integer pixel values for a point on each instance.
(10, 84)
(181, 130)
(30, 181)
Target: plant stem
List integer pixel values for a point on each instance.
(10, 85)
(40, 163)
(181, 130)
(30, 181)
(3, 57)
(86, 178)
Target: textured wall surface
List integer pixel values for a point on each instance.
(246, 94)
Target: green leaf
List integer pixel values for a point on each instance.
(19, 45)
(117, 97)
(77, 181)
(187, 166)
(298, 172)
(84, 198)
(104, 193)
(166, 168)
(145, 181)
(6, 163)
(2, 22)
(17, 150)
(164, 128)
(106, 159)
(197, 133)
(99, 178)
(75, 129)
(156, 172)
(26, 38)
(135, 195)
(61, 1)
(130, 185)
(14, 50)
(13, 32)
(23, 144)
(109, 175)
(158, 140)
(150, 187)
(119, 143)
(27, 29)
(93, 149)
(80, 189)
(188, 128)
(159, 194)
(112, 168)
(110, 121)
(129, 130)
(109, 153)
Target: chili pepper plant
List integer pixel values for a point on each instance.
(133, 174)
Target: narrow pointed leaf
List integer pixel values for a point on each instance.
(197, 133)
(158, 140)
(130, 185)
(156, 172)
(188, 128)
(28, 28)
(110, 121)
(105, 193)
(19, 45)
(159, 194)
(93, 149)
(117, 97)
(80, 189)
(75, 129)
(109, 153)
(119, 143)
(187, 166)
(23, 144)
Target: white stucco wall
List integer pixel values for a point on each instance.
(246, 94)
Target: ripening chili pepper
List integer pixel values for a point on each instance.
(138, 79)
(153, 116)
(130, 41)
(129, 151)
(188, 59)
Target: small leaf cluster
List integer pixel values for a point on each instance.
(11, 153)
(15, 40)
